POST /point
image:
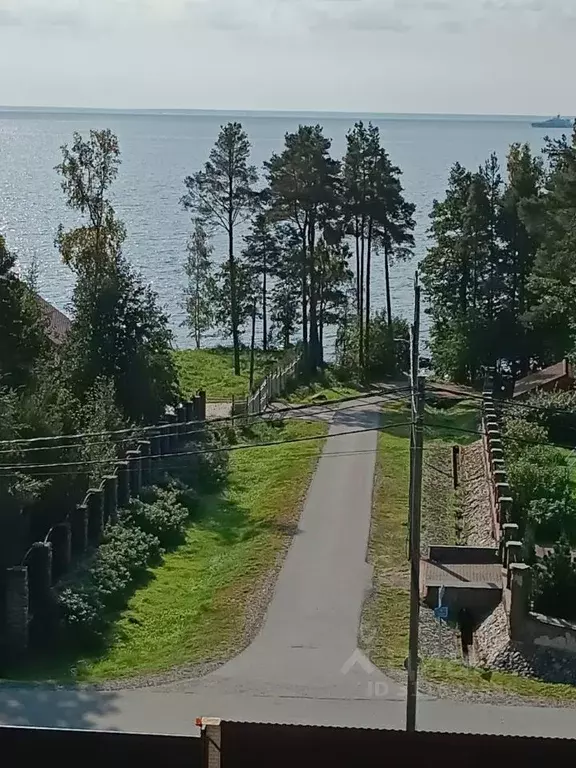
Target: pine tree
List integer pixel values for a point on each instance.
(200, 289)
(520, 200)
(377, 216)
(222, 196)
(303, 191)
(552, 219)
(262, 253)
(22, 336)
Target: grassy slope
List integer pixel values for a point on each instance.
(326, 387)
(213, 370)
(193, 608)
(386, 614)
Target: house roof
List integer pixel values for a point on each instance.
(541, 378)
(57, 324)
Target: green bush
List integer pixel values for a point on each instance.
(164, 516)
(555, 583)
(389, 349)
(552, 518)
(520, 434)
(102, 581)
(538, 472)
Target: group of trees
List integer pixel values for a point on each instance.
(115, 367)
(544, 506)
(303, 224)
(498, 276)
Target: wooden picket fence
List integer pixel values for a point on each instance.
(275, 383)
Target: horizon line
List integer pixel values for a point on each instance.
(287, 112)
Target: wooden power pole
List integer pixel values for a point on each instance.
(415, 505)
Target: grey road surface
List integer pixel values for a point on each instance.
(304, 665)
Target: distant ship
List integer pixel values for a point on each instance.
(555, 122)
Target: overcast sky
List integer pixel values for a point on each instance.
(455, 56)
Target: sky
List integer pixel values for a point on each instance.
(421, 56)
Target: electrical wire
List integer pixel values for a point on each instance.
(218, 449)
(134, 432)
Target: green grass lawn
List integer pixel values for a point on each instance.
(193, 607)
(386, 613)
(325, 388)
(213, 371)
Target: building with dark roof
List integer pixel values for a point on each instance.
(57, 324)
(559, 376)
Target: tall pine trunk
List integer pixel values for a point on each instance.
(368, 290)
(387, 281)
(315, 349)
(305, 306)
(264, 317)
(233, 291)
(252, 346)
(361, 307)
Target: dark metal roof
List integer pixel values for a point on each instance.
(541, 378)
(57, 324)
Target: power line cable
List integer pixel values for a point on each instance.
(135, 432)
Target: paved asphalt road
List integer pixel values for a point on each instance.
(304, 666)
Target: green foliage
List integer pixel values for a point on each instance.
(552, 220)
(538, 472)
(22, 336)
(222, 197)
(99, 415)
(554, 517)
(102, 582)
(303, 188)
(163, 516)
(557, 414)
(200, 289)
(555, 584)
(476, 274)
(519, 433)
(389, 348)
(119, 332)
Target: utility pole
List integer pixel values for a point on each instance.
(416, 460)
(414, 370)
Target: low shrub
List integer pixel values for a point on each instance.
(164, 516)
(102, 581)
(555, 583)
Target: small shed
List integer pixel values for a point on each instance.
(559, 376)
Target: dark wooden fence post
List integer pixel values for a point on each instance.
(202, 405)
(95, 504)
(181, 421)
(134, 472)
(17, 609)
(190, 406)
(61, 539)
(123, 484)
(144, 446)
(79, 526)
(173, 439)
(110, 488)
(455, 464)
(39, 562)
(155, 456)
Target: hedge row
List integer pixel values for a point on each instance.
(101, 584)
